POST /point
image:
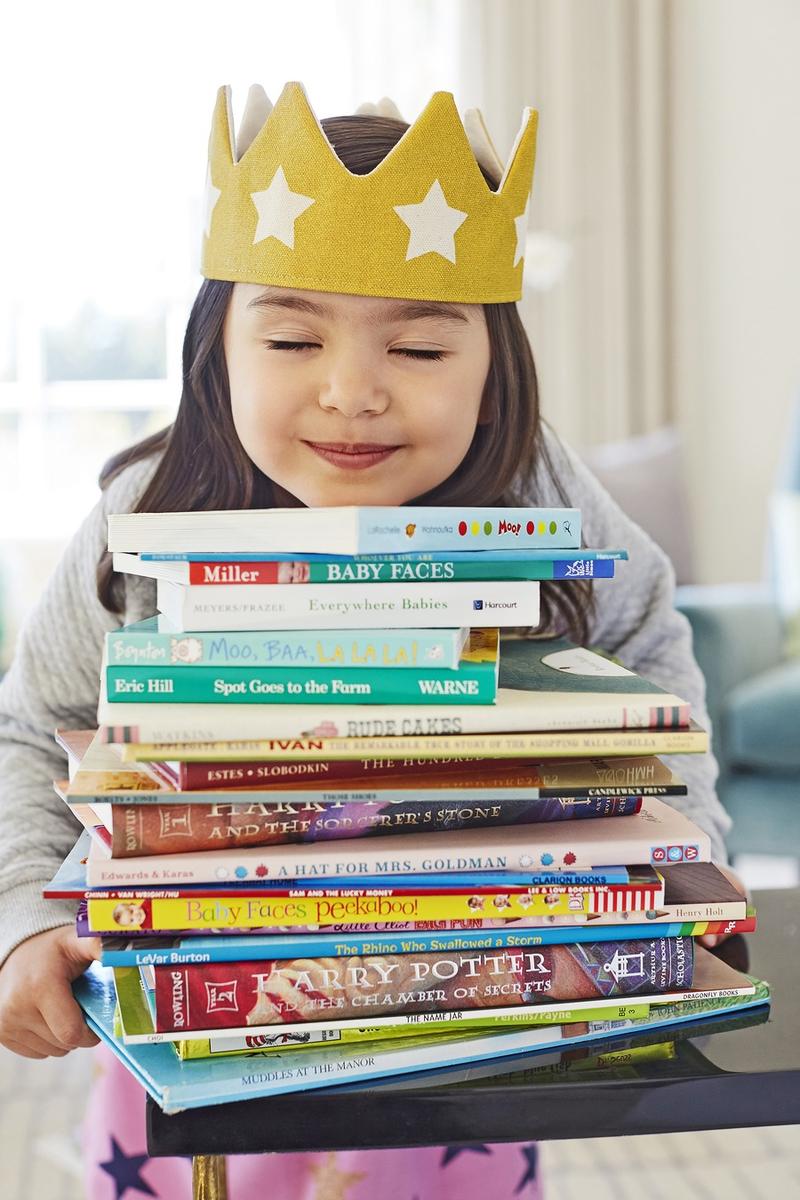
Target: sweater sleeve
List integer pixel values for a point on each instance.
(53, 682)
(636, 620)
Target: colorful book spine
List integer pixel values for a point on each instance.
(147, 829)
(352, 531)
(167, 913)
(672, 920)
(360, 606)
(214, 573)
(269, 992)
(474, 682)
(327, 943)
(141, 644)
(579, 743)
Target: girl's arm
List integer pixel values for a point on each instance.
(636, 620)
(52, 682)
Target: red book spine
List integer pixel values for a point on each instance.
(199, 776)
(248, 572)
(271, 992)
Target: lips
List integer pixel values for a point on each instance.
(353, 455)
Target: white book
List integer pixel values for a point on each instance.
(345, 530)
(205, 607)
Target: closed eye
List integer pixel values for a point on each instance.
(408, 351)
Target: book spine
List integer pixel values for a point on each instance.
(349, 775)
(145, 829)
(506, 555)
(543, 744)
(472, 683)
(359, 607)
(170, 723)
(196, 950)
(419, 571)
(381, 531)
(280, 1039)
(324, 648)
(231, 995)
(317, 908)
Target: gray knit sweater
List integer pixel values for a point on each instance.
(53, 680)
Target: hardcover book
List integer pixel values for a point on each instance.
(271, 992)
(141, 645)
(473, 682)
(346, 530)
(656, 834)
(508, 555)
(361, 570)
(221, 947)
(155, 829)
(581, 743)
(360, 607)
(179, 1085)
(545, 684)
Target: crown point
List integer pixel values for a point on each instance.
(256, 110)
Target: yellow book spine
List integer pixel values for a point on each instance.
(174, 914)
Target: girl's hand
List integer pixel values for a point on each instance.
(38, 1013)
(713, 939)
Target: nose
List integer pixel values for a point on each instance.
(353, 384)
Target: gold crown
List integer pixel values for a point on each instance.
(281, 207)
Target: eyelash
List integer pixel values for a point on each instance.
(419, 355)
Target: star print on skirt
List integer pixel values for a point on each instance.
(117, 1166)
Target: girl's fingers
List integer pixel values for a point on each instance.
(32, 1047)
(64, 1019)
(710, 939)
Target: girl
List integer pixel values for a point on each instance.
(356, 341)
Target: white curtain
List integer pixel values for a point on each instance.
(597, 72)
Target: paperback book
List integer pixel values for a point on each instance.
(345, 530)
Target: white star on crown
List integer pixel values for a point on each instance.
(432, 224)
(212, 195)
(278, 208)
(521, 223)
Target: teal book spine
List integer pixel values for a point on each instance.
(142, 645)
(472, 683)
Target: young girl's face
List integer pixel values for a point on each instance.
(353, 399)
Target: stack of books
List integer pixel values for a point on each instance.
(341, 815)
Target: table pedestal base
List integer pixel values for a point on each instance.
(209, 1177)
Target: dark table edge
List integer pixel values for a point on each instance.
(724, 1101)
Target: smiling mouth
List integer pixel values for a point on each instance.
(353, 455)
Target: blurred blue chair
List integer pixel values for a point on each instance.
(740, 641)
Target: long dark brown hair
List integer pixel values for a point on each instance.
(204, 466)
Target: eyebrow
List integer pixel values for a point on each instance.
(398, 310)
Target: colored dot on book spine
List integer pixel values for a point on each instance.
(487, 527)
(462, 527)
(530, 528)
(475, 528)
(553, 526)
(541, 527)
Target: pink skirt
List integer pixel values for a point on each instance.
(116, 1159)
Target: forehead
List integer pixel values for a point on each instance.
(256, 299)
